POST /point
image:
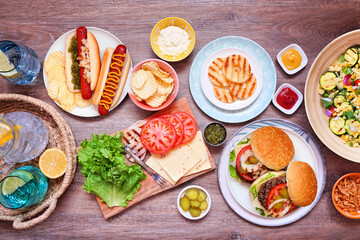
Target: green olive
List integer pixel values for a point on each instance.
(202, 196)
(192, 194)
(253, 160)
(195, 212)
(195, 203)
(284, 193)
(203, 205)
(279, 205)
(185, 203)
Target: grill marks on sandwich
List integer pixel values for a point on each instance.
(232, 78)
(131, 137)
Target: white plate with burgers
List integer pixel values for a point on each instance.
(277, 183)
(100, 47)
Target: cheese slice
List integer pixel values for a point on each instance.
(185, 159)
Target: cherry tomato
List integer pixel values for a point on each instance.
(158, 136)
(357, 82)
(190, 126)
(332, 110)
(177, 124)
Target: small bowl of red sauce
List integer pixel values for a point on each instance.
(287, 98)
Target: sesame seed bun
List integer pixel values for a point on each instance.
(272, 147)
(302, 183)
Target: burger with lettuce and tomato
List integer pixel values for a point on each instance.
(278, 193)
(268, 148)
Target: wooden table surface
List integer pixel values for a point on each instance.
(273, 24)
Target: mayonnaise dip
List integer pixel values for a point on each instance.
(173, 40)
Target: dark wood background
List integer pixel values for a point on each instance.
(271, 23)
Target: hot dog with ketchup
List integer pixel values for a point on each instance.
(114, 70)
(82, 62)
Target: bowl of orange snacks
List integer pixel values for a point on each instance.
(154, 85)
(346, 195)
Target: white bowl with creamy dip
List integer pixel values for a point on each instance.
(172, 39)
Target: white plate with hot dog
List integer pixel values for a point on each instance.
(105, 40)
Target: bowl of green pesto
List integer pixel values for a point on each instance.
(215, 134)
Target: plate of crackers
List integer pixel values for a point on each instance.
(54, 74)
(241, 82)
(231, 79)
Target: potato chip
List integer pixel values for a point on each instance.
(148, 89)
(156, 100)
(80, 102)
(139, 78)
(66, 98)
(56, 71)
(158, 73)
(164, 88)
(55, 58)
(53, 90)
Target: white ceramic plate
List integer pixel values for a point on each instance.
(207, 86)
(187, 213)
(105, 39)
(237, 194)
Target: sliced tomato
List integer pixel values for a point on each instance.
(274, 193)
(190, 126)
(158, 136)
(240, 170)
(177, 124)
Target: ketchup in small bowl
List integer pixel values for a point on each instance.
(287, 98)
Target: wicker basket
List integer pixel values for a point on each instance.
(60, 136)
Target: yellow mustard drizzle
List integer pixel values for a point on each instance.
(112, 81)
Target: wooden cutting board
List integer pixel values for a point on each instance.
(149, 187)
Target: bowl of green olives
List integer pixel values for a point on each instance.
(194, 202)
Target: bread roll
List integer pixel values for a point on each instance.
(302, 183)
(272, 147)
(95, 61)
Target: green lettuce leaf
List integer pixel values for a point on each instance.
(107, 176)
(233, 173)
(232, 156)
(253, 188)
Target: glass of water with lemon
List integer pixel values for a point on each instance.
(19, 64)
(23, 187)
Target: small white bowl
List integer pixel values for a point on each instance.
(304, 59)
(187, 214)
(296, 105)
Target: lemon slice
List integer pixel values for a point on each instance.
(6, 134)
(52, 163)
(11, 184)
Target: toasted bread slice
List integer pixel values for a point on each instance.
(223, 95)
(216, 74)
(237, 68)
(244, 90)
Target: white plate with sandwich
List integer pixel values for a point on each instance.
(240, 196)
(105, 40)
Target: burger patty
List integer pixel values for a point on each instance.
(266, 188)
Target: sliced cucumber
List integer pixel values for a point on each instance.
(345, 107)
(352, 126)
(339, 99)
(327, 80)
(351, 56)
(337, 125)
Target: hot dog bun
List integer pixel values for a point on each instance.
(105, 67)
(68, 63)
(95, 61)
